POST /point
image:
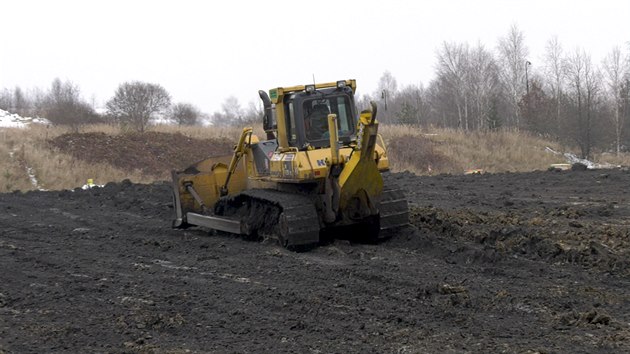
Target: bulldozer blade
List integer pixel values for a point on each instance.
(214, 222)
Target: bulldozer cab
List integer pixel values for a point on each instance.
(301, 114)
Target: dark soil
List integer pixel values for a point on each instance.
(534, 262)
(153, 153)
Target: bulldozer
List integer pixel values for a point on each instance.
(318, 169)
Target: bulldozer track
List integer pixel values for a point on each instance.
(290, 219)
(393, 209)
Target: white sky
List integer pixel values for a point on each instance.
(204, 51)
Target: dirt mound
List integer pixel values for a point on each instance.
(533, 262)
(153, 153)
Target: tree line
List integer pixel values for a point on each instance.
(567, 96)
(133, 105)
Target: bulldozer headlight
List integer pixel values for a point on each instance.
(341, 84)
(309, 88)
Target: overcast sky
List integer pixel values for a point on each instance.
(205, 51)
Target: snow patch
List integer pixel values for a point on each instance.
(13, 120)
(31, 176)
(30, 172)
(573, 159)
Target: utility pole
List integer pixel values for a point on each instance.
(527, 63)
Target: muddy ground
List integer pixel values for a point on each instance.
(534, 262)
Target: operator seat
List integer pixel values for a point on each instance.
(318, 124)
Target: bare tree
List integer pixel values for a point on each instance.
(6, 100)
(513, 58)
(482, 83)
(536, 107)
(388, 83)
(20, 103)
(185, 114)
(362, 101)
(39, 101)
(253, 114)
(616, 71)
(231, 113)
(584, 84)
(135, 103)
(63, 105)
(412, 105)
(386, 93)
(452, 71)
(555, 73)
(232, 108)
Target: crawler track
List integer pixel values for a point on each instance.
(289, 219)
(393, 209)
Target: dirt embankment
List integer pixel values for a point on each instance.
(533, 262)
(153, 153)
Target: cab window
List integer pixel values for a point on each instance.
(316, 112)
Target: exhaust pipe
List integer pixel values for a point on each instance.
(268, 120)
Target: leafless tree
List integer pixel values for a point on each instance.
(20, 103)
(362, 101)
(412, 104)
(388, 83)
(185, 114)
(63, 105)
(584, 93)
(39, 101)
(482, 82)
(231, 113)
(554, 72)
(253, 114)
(452, 71)
(536, 107)
(440, 103)
(616, 71)
(232, 110)
(135, 103)
(513, 57)
(385, 94)
(6, 100)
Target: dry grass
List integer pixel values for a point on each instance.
(51, 169)
(421, 151)
(208, 132)
(456, 151)
(196, 132)
(13, 175)
(622, 159)
(54, 170)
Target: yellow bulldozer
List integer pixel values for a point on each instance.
(318, 169)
